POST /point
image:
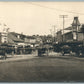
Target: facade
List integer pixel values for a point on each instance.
(19, 39)
(4, 36)
(33, 40)
(38, 40)
(68, 36)
(80, 36)
(29, 40)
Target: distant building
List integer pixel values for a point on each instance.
(29, 40)
(73, 33)
(14, 38)
(33, 40)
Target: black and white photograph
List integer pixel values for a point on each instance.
(42, 42)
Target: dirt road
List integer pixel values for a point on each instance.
(54, 68)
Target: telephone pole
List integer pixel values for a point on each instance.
(63, 16)
(54, 26)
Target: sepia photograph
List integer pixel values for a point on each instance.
(42, 41)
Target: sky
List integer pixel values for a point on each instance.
(32, 18)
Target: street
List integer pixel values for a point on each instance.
(52, 68)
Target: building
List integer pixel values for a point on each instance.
(68, 36)
(33, 40)
(29, 40)
(10, 37)
(73, 34)
(14, 38)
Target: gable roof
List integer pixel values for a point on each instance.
(10, 41)
(30, 37)
(13, 38)
(68, 28)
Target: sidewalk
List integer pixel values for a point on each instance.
(68, 56)
(18, 57)
(31, 56)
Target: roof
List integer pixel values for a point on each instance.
(68, 32)
(76, 22)
(13, 38)
(30, 37)
(14, 33)
(10, 41)
(68, 28)
(60, 31)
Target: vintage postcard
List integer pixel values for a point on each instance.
(42, 41)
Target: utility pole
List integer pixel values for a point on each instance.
(63, 16)
(51, 34)
(54, 26)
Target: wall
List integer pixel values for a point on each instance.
(30, 40)
(4, 37)
(68, 36)
(80, 36)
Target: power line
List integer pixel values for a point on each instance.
(55, 9)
